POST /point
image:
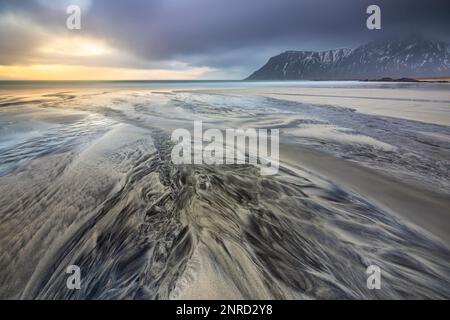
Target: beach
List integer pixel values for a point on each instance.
(86, 178)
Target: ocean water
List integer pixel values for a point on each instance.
(86, 179)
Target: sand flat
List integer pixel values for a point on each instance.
(430, 104)
(422, 207)
(87, 179)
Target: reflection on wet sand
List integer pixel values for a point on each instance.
(86, 179)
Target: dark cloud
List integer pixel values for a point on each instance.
(233, 34)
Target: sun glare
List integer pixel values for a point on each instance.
(75, 47)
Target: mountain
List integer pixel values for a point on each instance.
(410, 57)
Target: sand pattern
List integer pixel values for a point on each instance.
(89, 181)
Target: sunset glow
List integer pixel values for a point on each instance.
(78, 72)
(75, 47)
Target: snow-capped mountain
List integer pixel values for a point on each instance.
(409, 57)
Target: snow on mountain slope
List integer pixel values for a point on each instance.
(412, 57)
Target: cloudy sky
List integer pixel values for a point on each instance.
(191, 39)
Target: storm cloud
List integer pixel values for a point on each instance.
(230, 36)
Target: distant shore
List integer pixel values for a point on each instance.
(388, 79)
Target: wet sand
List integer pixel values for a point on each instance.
(86, 178)
(428, 103)
(420, 206)
(424, 102)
